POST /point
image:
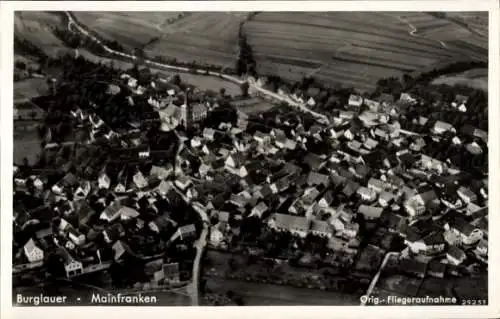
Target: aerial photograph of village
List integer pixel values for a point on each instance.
(250, 158)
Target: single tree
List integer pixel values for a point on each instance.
(244, 89)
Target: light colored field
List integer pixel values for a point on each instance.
(355, 48)
(476, 73)
(36, 27)
(475, 78)
(204, 83)
(256, 294)
(30, 88)
(256, 107)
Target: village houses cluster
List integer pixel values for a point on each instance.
(233, 173)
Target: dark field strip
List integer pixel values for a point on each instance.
(361, 73)
(401, 49)
(292, 61)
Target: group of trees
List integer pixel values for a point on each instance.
(246, 62)
(420, 82)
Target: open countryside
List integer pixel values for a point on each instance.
(355, 48)
(352, 48)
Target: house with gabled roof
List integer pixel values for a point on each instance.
(259, 210)
(355, 100)
(327, 199)
(261, 138)
(112, 212)
(315, 178)
(440, 127)
(234, 163)
(436, 269)
(386, 198)
(321, 228)
(372, 104)
(161, 172)
(127, 213)
(482, 248)
(183, 182)
(185, 232)
(366, 194)
(294, 224)
(72, 266)
(32, 252)
(455, 255)
(467, 233)
(76, 236)
(120, 249)
(139, 180)
(370, 212)
(350, 188)
(432, 243)
(377, 185)
(113, 233)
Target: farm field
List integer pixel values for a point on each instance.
(27, 142)
(477, 21)
(356, 48)
(94, 58)
(36, 27)
(204, 82)
(209, 38)
(130, 29)
(254, 105)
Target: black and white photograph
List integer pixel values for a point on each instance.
(249, 157)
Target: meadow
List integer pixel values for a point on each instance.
(475, 78)
(30, 88)
(354, 49)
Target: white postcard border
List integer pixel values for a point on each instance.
(6, 142)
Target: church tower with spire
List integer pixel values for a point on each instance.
(186, 112)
